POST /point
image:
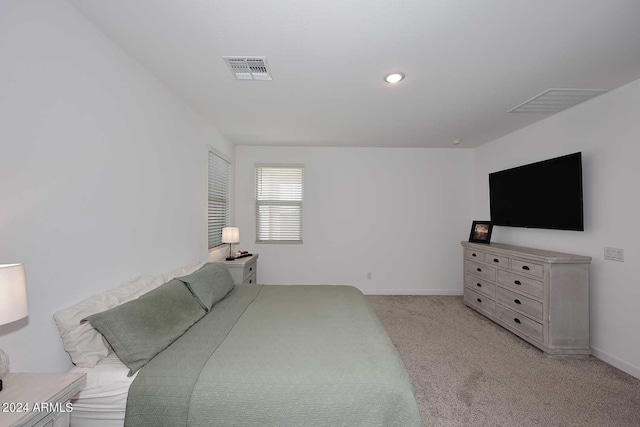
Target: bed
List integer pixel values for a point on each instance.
(263, 356)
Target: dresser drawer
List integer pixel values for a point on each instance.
(520, 322)
(496, 260)
(479, 301)
(480, 285)
(480, 270)
(518, 302)
(520, 283)
(527, 267)
(474, 255)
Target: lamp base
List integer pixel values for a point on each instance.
(4, 366)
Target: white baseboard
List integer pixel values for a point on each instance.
(445, 292)
(614, 361)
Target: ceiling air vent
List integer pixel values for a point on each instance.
(552, 101)
(248, 67)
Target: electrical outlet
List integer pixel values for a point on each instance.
(369, 275)
(614, 254)
(608, 254)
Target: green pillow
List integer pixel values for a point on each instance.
(138, 330)
(211, 283)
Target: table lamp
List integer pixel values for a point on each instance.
(230, 235)
(13, 303)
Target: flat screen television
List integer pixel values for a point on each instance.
(545, 194)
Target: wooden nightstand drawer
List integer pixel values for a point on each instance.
(250, 280)
(480, 270)
(250, 269)
(55, 419)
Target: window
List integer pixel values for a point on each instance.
(218, 211)
(279, 203)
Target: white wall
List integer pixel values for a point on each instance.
(397, 213)
(103, 171)
(607, 131)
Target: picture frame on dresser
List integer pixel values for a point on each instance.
(481, 232)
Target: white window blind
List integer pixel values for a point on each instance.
(218, 211)
(279, 203)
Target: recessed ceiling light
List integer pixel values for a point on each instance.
(456, 141)
(394, 77)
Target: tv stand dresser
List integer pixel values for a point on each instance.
(541, 296)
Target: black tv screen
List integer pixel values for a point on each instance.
(546, 194)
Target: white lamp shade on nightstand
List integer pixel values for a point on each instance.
(13, 293)
(231, 235)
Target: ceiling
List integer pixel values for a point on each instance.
(466, 63)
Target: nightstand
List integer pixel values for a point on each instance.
(38, 400)
(244, 270)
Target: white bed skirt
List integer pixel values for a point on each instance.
(103, 401)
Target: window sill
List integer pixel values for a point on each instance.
(278, 242)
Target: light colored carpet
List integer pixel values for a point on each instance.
(468, 371)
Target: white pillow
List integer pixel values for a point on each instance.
(85, 345)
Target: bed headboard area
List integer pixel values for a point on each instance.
(85, 345)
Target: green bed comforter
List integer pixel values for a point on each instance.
(278, 356)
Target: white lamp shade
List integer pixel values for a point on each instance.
(231, 235)
(13, 293)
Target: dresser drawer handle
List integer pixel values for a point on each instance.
(525, 267)
(250, 280)
(496, 260)
(479, 269)
(250, 268)
(473, 254)
(479, 285)
(517, 301)
(479, 300)
(517, 282)
(517, 320)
